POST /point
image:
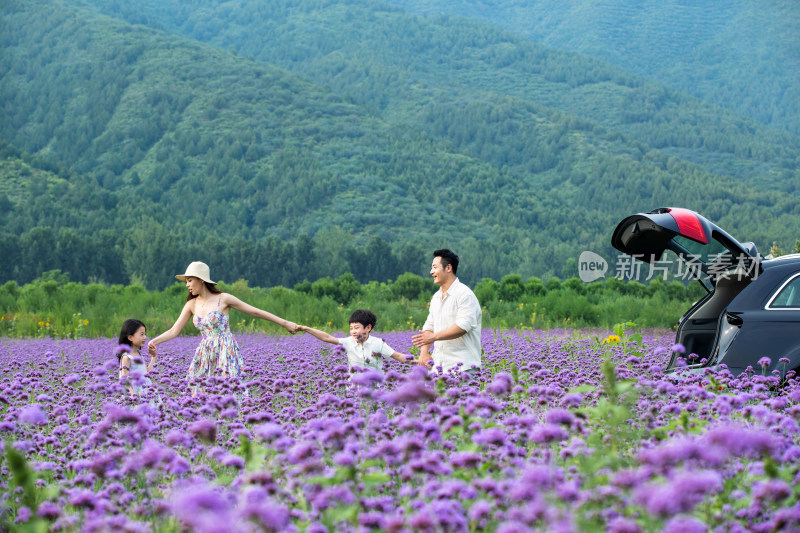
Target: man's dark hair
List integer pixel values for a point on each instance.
(448, 258)
(364, 317)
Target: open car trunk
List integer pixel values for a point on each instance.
(700, 329)
(719, 262)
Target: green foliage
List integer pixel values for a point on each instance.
(300, 140)
(700, 56)
(52, 306)
(553, 284)
(411, 286)
(511, 287)
(23, 481)
(486, 290)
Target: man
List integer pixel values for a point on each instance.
(454, 320)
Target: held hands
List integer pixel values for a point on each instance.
(292, 328)
(151, 349)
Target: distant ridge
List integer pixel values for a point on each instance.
(352, 126)
(740, 55)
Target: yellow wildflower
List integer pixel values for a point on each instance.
(612, 339)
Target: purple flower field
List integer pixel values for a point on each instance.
(560, 431)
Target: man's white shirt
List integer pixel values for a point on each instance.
(459, 306)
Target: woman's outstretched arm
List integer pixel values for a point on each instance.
(234, 302)
(172, 332)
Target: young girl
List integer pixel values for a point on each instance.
(131, 341)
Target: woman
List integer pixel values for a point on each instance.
(218, 352)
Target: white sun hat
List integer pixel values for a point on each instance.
(197, 269)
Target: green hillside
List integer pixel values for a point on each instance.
(740, 55)
(293, 144)
(425, 71)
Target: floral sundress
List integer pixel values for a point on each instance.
(218, 353)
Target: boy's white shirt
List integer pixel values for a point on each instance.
(357, 353)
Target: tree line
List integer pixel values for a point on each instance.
(52, 305)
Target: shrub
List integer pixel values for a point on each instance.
(534, 286)
(553, 284)
(486, 290)
(511, 287)
(411, 286)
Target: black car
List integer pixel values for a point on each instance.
(752, 308)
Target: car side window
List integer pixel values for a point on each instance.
(788, 296)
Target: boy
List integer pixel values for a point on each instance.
(362, 349)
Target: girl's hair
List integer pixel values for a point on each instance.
(212, 288)
(129, 327)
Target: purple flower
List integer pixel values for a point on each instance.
(203, 508)
(678, 347)
(71, 378)
(501, 384)
(685, 524)
(115, 413)
(262, 510)
(23, 515)
(48, 511)
(513, 526)
(774, 490)
(83, 498)
(177, 437)
(205, 430)
(764, 362)
(559, 416)
(490, 436)
(367, 378)
(679, 450)
(680, 494)
(572, 399)
(33, 414)
(740, 441)
(623, 525)
(479, 510)
(268, 432)
(547, 433)
(465, 459)
(300, 452)
(411, 392)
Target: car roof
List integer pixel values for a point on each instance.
(769, 262)
(773, 273)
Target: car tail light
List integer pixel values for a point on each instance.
(688, 224)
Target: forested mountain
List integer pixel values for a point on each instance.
(739, 54)
(291, 141)
(443, 73)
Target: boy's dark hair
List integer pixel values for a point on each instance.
(448, 258)
(365, 317)
(129, 327)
